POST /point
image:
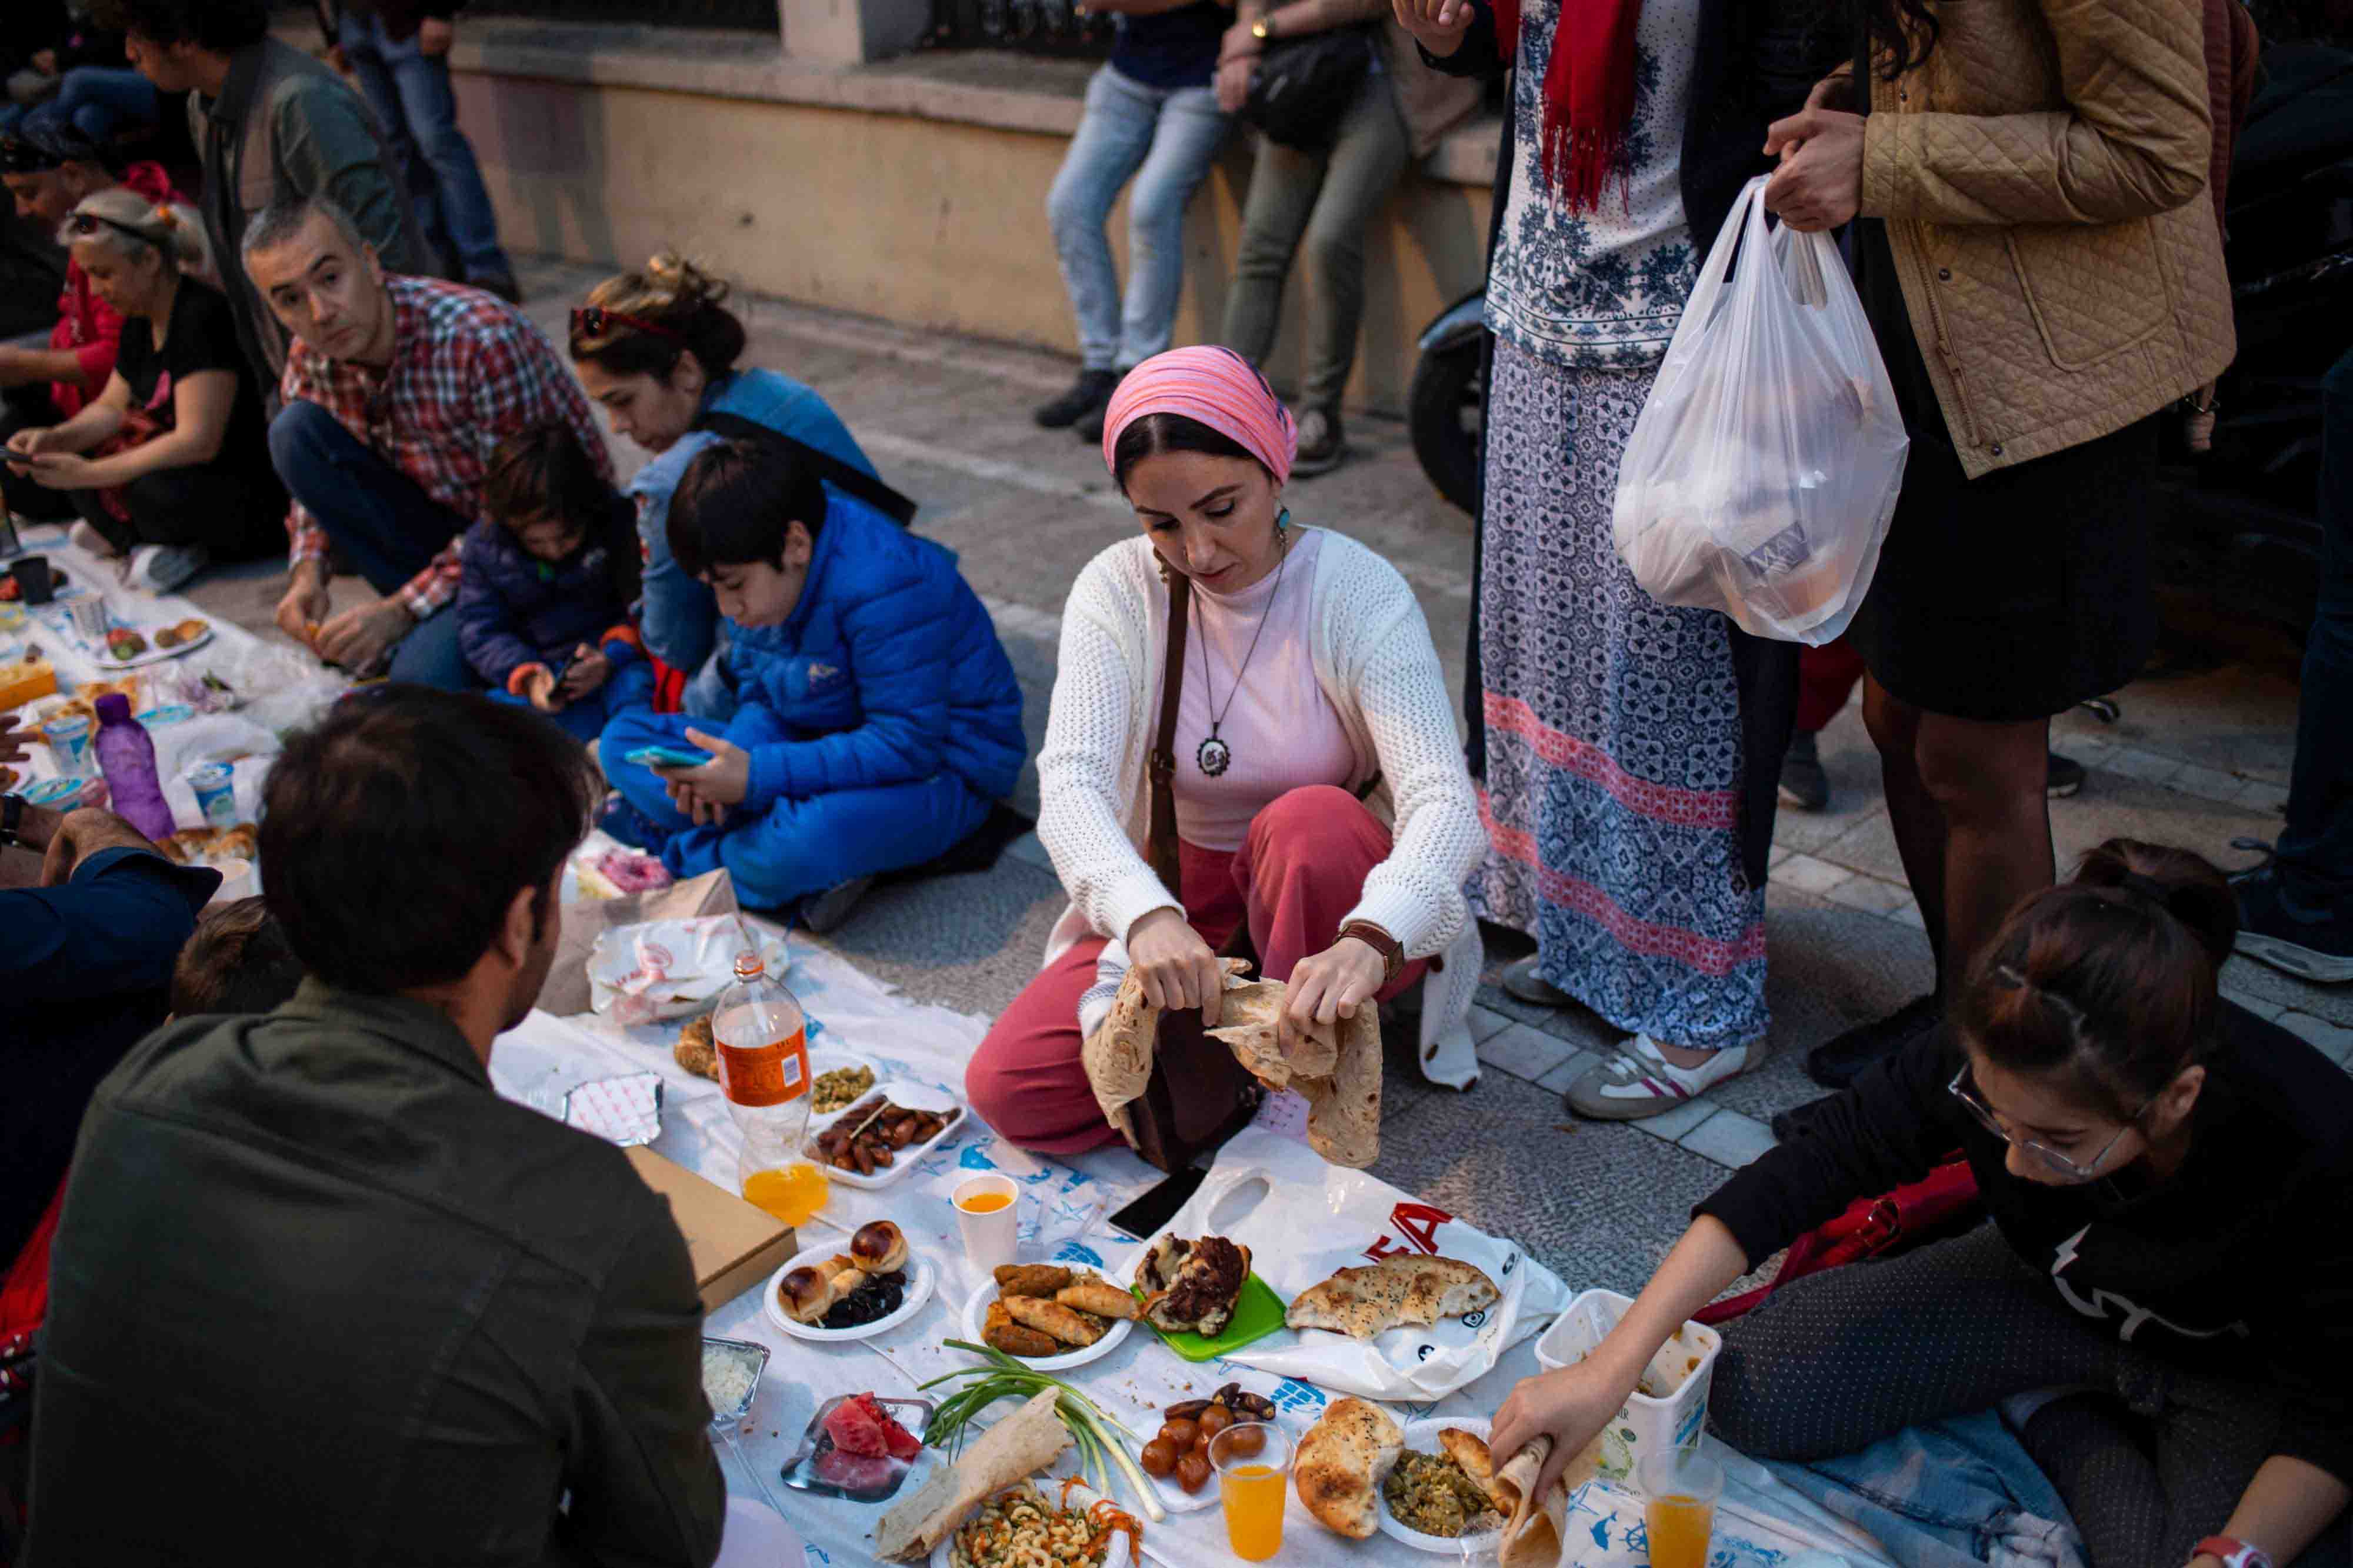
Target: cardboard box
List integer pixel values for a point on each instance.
(734, 1246)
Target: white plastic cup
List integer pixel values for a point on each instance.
(991, 1238)
(88, 616)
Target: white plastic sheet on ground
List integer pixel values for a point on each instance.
(1764, 469)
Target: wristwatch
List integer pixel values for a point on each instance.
(2232, 1553)
(1392, 951)
(1263, 29)
(12, 817)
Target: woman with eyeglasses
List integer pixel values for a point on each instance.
(659, 351)
(2170, 1261)
(169, 465)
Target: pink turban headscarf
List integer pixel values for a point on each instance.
(1216, 387)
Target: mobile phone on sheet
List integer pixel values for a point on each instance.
(1148, 1215)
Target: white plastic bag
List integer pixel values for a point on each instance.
(1304, 1219)
(1764, 469)
(669, 969)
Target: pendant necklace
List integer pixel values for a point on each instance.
(1215, 756)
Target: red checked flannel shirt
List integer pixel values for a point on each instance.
(466, 372)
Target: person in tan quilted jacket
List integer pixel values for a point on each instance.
(2031, 239)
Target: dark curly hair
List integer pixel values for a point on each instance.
(219, 24)
(1903, 32)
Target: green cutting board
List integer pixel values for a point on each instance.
(1257, 1312)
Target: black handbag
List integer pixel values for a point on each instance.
(1302, 86)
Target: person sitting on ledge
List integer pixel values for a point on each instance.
(315, 1282)
(876, 714)
(168, 466)
(658, 349)
(543, 605)
(1321, 799)
(2169, 1271)
(397, 391)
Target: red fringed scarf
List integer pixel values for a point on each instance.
(1588, 93)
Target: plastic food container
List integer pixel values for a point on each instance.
(1646, 1424)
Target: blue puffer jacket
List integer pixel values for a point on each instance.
(888, 670)
(515, 609)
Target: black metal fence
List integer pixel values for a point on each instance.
(752, 15)
(1029, 26)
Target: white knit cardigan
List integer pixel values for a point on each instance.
(1377, 668)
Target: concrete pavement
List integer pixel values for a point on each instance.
(2195, 760)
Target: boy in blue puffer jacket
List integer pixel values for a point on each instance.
(547, 580)
(877, 716)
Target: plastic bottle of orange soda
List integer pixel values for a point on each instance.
(762, 1037)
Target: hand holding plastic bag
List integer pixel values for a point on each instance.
(1764, 467)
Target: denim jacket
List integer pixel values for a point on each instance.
(1953, 1494)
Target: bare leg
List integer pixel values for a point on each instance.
(1986, 779)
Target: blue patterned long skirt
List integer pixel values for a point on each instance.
(1613, 794)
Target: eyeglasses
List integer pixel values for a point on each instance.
(1964, 1089)
(594, 321)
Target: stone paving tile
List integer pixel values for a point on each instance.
(1729, 1137)
(1908, 914)
(1671, 1125)
(2148, 767)
(1486, 1024)
(1598, 1204)
(1525, 1052)
(2255, 794)
(1559, 1079)
(2208, 783)
(1868, 894)
(1809, 875)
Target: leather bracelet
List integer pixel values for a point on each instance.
(1392, 950)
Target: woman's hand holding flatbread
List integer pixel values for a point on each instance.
(1567, 1407)
(1175, 966)
(1328, 987)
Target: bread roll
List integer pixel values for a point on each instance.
(806, 1295)
(1341, 1464)
(878, 1248)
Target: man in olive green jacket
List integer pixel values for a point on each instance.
(319, 1295)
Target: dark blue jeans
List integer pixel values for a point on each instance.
(409, 93)
(2315, 853)
(102, 102)
(383, 525)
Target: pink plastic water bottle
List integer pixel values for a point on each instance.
(127, 757)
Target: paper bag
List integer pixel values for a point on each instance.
(567, 991)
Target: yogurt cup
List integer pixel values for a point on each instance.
(65, 793)
(69, 737)
(215, 787)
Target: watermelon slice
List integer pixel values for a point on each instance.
(860, 1426)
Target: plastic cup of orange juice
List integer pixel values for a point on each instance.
(1679, 1487)
(1252, 1462)
(988, 1212)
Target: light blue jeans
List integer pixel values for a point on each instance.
(1163, 139)
(408, 92)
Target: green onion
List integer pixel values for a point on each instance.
(1095, 1433)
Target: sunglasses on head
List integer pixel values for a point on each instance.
(596, 321)
(81, 225)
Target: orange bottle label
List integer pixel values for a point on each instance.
(765, 1075)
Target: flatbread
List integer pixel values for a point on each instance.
(1469, 1450)
(1338, 1068)
(1014, 1450)
(1342, 1462)
(1118, 1055)
(1536, 1535)
(1402, 1288)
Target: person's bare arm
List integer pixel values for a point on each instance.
(32, 367)
(201, 406)
(2284, 1509)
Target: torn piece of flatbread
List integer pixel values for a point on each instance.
(1338, 1069)
(1014, 1450)
(1118, 1055)
(1402, 1288)
(1536, 1535)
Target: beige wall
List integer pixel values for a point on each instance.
(921, 222)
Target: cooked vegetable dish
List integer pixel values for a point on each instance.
(1430, 1493)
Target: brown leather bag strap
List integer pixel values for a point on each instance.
(1160, 846)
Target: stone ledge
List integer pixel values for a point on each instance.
(977, 87)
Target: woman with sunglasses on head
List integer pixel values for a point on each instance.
(2171, 1191)
(657, 349)
(1311, 790)
(169, 465)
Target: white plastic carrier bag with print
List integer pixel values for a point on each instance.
(1304, 1220)
(1762, 474)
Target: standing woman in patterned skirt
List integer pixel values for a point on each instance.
(1631, 749)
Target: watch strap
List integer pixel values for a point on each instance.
(12, 817)
(1392, 950)
(2232, 1553)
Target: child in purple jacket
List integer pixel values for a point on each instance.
(549, 576)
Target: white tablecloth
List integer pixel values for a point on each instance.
(1063, 1206)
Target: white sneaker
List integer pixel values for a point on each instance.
(164, 568)
(1641, 1082)
(83, 536)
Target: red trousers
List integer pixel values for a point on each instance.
(1826, 679)
(1294, 880)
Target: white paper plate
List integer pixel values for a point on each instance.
(153, 655)
(1421, 1436)
(826, 1059)
(1081, 1497)
(913, 1096)
(975, 1313)
(921, 1277)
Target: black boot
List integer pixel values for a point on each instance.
(1090, 393)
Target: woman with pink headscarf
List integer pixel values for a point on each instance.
(1319, 792)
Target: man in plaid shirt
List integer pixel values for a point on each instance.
(397, 390)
